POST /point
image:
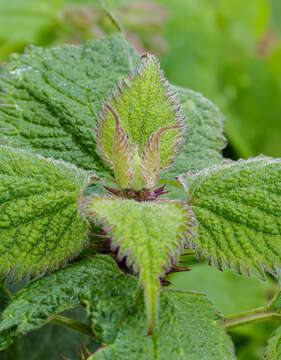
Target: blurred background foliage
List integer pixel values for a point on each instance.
(230, 50)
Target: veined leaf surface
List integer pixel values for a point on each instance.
(36, 304)
(189, 327)
(149, 234)
(144, 103)
(52, 98)
(238, 209)
(40, 225)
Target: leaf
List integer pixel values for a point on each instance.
(189, 327)
(150, 238)
(203, 140)
(36, 304)
(273, 349)
(237, 206)
(144, 103)
(6, 338)
(40, 226)
(53, 96)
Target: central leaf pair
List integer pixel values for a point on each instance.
(140, 111)
(151, 234)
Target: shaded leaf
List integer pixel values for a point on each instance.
(6, 338)
(189, 327)
(40, 226)
(150, 238)
(36, 304)
(237, 206)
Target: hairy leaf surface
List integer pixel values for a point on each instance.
(149, 234)
(273, 349)
(238, 209)
(36, 304)
(189, 327)
(53, 96)
(40, 226)
(144, 103)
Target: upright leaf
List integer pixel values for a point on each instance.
(145, 103)
(149, 234)
(40, 225)
(238, 209)
(36, 304)
(189, 327)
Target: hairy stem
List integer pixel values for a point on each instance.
(251, 316)
(73, 324)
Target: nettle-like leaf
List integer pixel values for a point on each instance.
(238, 209)
(273, 349)
(189, 327)
(40, 225)
(150, 235)
(53, 95)
(6, 337)
(37, 304)
(141, 109)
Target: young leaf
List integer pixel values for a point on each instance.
(36, 304)
(40, 226)
(53, 95)
(150, 238)
(144, 103)
(273, 349)
(189, 327)
(238, 209)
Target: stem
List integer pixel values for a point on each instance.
(6, 291)
(73, 324)
(251, 316)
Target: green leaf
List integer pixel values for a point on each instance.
(40, 226)
(36, 304)
(189, 327)
(203, 139)
(53, 96)
(6, 338)
(150, 238)
(273, 349)
(238, 209)
(144, 103)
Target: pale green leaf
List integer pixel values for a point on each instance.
(40, 225)
(238, 209)
(189, 327)
(53, 97)
(36, 304)
(144, 103)
(273, 349)
(149, 234)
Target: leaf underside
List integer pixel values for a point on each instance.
(40, 225)
(144, 103)
(238, 209)
(150, 238)
(35, 305)
(189, 327)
